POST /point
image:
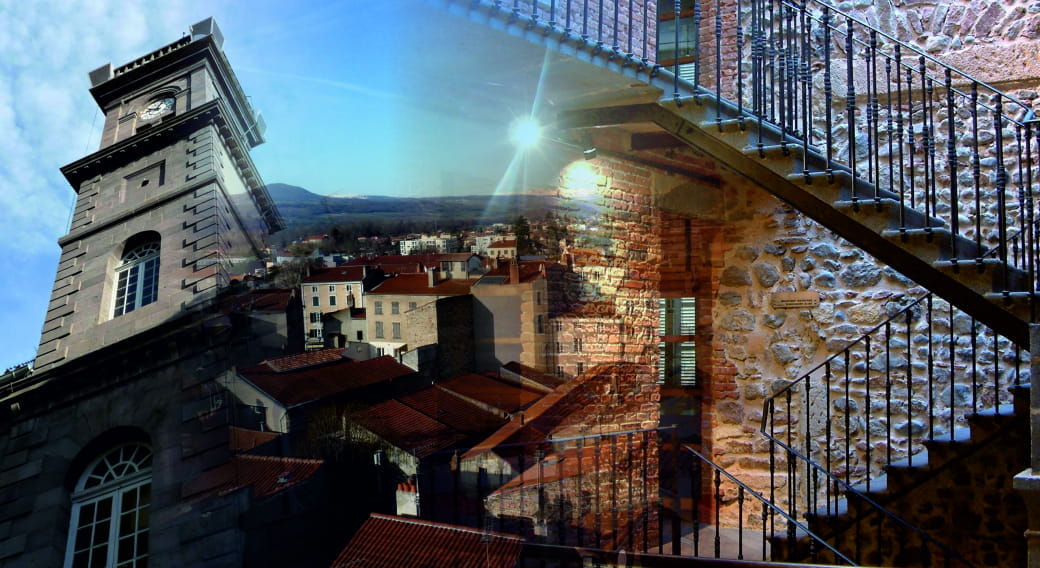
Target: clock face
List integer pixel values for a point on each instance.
(157, 108)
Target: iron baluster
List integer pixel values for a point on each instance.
(827, 430)
(910, 136)
(580, 446)
(757, 78)
(599, 30)
(782, 93)
(974, 366)
(739, 75)
(976, 172)
(888, 392)
(675, 64)
(718, 63)
(951, 160)
(740, 522)
(900, 134)
(631, 497)
(696, 46)
(874, 174)
(676, 506)
(552, 16)
(628, 48)
(909, 398)
(806, 76)
(931, 375)
(597, 464)
(953, 368)
(866, 404)
(695, 491)
(848, 420)
(585, 22)
(828, 91)
(645, 58)
(616, 48)
(929, 148)
(567, 20)
(998, 133)
(850, 102)
(717, 505)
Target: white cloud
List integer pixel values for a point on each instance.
(48, 119)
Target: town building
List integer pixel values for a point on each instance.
(847, 224)
(327, 291)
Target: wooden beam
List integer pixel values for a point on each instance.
(654, 141)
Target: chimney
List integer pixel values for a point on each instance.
(431, 277)
(514, 271)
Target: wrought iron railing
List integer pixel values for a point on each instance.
(907, 127)
(917, 377)
(718, 494)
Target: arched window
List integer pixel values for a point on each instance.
(110, 509)
(137, 276)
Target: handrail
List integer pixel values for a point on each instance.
(911, 360)
(794, 526)
(847, 489)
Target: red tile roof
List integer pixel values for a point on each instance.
(297, 386)
(305, 359)
(384, 541)
(490, 391)
(266, 475)
(424, 259)
(528, 270)
(530, 373)
(407, 428)
(418, 285)
(242, 440)
(263, 300)
(340, 274)
(454, 411)
(507, 243)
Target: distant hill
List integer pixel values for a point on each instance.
(300, 207)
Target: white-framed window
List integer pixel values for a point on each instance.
(411, 305)
(314, 289)
(314, 333)
(395, 307)
(379, 330)
(332, 300)
(396, 329)
(379, 308)
(110, 511)
(315, 301)
(350, 288)
(539, 324)
(137, 278)
(315, 317)
(332, 288)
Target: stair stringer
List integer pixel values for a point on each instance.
(693, 121)
(968, 496)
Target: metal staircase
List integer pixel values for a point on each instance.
(924, 167)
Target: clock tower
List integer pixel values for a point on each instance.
(167, 207)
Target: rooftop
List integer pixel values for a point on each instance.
(418, 285)
(339, 274)
(454, 411)
(304, 384)
(384, 541)
(490, 391)
(408, 429)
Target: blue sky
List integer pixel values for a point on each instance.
(345, 87)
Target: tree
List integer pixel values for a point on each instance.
(522, 230)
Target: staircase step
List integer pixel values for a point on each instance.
(883, 214)
(985, 276)
(934, 243)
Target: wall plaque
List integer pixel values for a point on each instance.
(795, 300)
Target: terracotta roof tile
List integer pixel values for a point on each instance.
(262, 300)
(242, 440)
(306, 359)
(384, 541)
(418, 284)
(454, 411)
(530, 373)
(506, 243)
(302, 385)
(266, 475)
(408, 429)
(490, 391)
(340, 274)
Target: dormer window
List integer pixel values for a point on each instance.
(137, 277)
